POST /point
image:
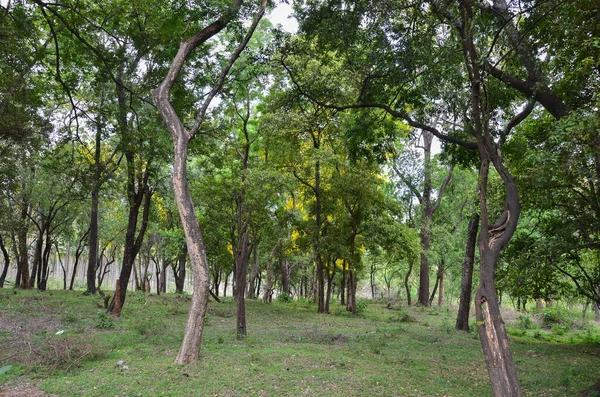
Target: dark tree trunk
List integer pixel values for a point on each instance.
(136, 198)
(435, 287)
(24, 280)
(411, 265)
(343, 285)
(466, 284)
(45, 268)
(6, 262)
(254, 276)
(351, 301)
(37, 256)
(372, 279)
(329, 290)
(163, 276)
(179, 271)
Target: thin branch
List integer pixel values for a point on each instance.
(442, 189)
(234, 56)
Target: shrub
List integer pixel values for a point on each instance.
(105, 321)
(361, 305)
(284, 297)
(525, 322)
(552, 316)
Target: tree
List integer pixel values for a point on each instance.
(181, 135)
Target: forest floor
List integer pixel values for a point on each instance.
(61, 343)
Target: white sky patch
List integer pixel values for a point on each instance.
(282, 15)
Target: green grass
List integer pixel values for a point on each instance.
(290, 350)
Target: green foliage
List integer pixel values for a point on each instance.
(525, 322)
(361, 305)
(284, 297)
(552, 316)
(105, 321)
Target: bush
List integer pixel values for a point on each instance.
(552, 316)
(105, 321)
(361, 305)
(284, 297)
(525, 322)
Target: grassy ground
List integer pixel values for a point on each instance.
(290, 350)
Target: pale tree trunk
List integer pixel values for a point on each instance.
(190, 347)
(466, 284)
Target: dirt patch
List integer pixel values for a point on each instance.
(24, 391)
(318, 338)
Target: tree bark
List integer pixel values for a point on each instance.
(254, 275)
(136, 198)
(406, 281)
(93, 230)
(466, 284)
(6, 262)
(286, 272)
(492, 238)
(24, 280)
(190, 348)
(78, 253)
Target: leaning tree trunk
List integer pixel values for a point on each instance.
(192, 339)
(466, 284)
(190, 347)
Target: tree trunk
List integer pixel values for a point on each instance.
(435, 287)
(93, 235)
(286, 272)
(37, 256)
(425, 233)
(23, 281)
(45, 269)
(441, 286)
(466, 284)
(343, 285)
(411, 265)
(179, 270)
(133, 243)
(242, 259)
(254, 274)
(192, 339)
(492, 238)
(372, 279)
(190, 348)
(319, 275)
(329, 291)
(163, 276)
(6, 262)
(351, 301)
